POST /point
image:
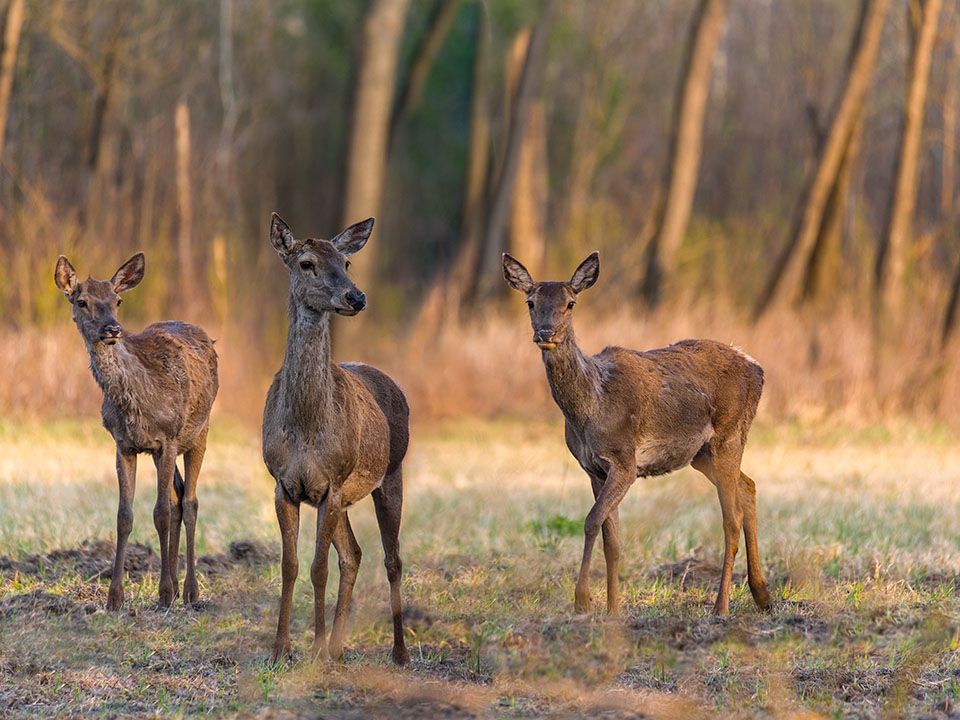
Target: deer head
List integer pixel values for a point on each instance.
(95, 302)
(551, 303)
(318, 268)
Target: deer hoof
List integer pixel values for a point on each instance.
(191, 592)
(582, 603)
(761, 596)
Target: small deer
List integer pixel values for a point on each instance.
(631, 414)
(158, 387)
(332, 434)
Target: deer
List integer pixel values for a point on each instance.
(631, 414)
(333, 433)
(158, 388)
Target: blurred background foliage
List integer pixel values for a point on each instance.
(716, 152)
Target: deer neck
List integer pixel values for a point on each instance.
(574, 380)
(120, 373)
(307, 378)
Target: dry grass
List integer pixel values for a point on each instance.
(815, 369)
(859, 530)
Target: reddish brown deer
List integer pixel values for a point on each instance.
(158, 388)
(332, 434)
(633, 414)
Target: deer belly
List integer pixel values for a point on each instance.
(358, 485)
(659, 456)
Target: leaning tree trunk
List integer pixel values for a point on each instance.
(453, 284)
(820, 278)
(891, 264)
(686, 145)
(786, 277)
(367, 153)
(415, 82)
(527, 212)
(527, 87)
(12, 25)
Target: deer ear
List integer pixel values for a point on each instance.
(354, 237)
(586, 275)
(516, 275)
(129, 274)
(281, 237)
(65, 276)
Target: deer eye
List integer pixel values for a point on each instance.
(81, 303)
(119, 301)
(530, 304)
(570, 305)
(346, 265)
(306, 265)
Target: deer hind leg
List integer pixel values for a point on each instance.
(127, 480)
(388, 502)
(328, 518)
(349, 553)
(721, 465)
(619, 480)
(611, 549)
(192, 460)
(166, 461)
(176, 518)
(755, 578)
(288, 516)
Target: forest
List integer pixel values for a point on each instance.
(778, 175)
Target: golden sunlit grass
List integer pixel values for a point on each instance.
(859, 530)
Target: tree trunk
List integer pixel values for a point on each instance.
(786, 277)
(822, 268)
(447, 293)
(892, 255)
(686, 145)
(12, 26)
(951, 96)
(367, 153)
(185, 257)
(527, 87)
(528, 210)
(411, 92)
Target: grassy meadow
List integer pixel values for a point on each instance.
(859, 530)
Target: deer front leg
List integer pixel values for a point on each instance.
(166, 464)
(349, 553)
(619, 479)
(611, 549)
(127, 480)
(288, 516)
(328, 518)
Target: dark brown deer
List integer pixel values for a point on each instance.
(633, 414)
(158, 387)
(332, 434)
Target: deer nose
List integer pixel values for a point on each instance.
(110, 333)
(356, 299)
(543, 335)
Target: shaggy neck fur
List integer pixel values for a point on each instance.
(574, 379)
(119, 373)
(307, 381)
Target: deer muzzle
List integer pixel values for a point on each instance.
(111, 333)
(545, 338)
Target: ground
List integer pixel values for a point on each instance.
(860, 533)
